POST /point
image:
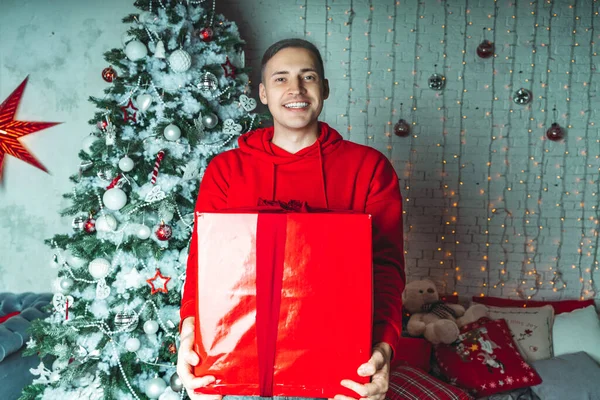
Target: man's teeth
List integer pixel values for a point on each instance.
(296, 105)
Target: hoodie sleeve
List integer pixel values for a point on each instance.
(384, 203)
(212, 196)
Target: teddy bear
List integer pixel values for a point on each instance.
(437, 321)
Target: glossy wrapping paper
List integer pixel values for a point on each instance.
(285, 303)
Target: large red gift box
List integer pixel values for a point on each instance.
(284, 303)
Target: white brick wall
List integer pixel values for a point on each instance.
(524, 166)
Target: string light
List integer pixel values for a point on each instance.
(368, 80)
(349, 71)
(390, 145)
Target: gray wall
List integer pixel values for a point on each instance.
(538, 212)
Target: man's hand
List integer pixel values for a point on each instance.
(378, 368)
(187, 359)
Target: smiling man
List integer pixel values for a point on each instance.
(301, 158)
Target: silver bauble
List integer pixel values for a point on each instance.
(437, 81)
(175, 383)
(172, 132)
(126, 321)
(208, 84)
(180, 60)
(136, 50)
(522, 96)
(210, 120)
(150, 327)
(126, 164)
(66, 284)
(99, 267)
(106, 223)
(132, 345)
(114, 199)
(143, 232)
(155, 387)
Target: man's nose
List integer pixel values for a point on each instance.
(296, 86)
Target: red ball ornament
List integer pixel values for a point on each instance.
(485, 49)
(555, 132)
(164, 232)
(109, 74)
(402, 128)
(206, 34)
(90, 225)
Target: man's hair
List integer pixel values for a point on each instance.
(294, 42)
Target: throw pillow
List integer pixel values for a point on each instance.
(408, 383)
(577, 331)
(571, 376)
(485, 359)
(560, 306)
(531, 329)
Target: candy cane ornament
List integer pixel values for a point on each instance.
(159, 156)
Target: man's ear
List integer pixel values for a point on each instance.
(325, 89)
(262, 93)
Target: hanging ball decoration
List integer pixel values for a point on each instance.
(74, 261)
(155, 387)
(180, 60)
(522, 96)
(89, 225)
(485, 49)
(136, 50)
(208, 84)
(126, 321)
(206, 34)
(87, 143)
(175, 383)
(437, 82)
(106, 223)
(150, 327)
(132, 345)
(109, 74)
(143, 101)
(402, 128)
(66, 284)
(210, 120)
(172, 132)
(126, 164)
(99, 267)
(555, 132)
(143, 232)
(114, 199)
(164, 232)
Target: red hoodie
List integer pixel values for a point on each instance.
(332, 173)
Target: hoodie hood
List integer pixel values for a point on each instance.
(258, 143)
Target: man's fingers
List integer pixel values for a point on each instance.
(356, 387)
(196, 383)
(367, 369)
(191, 358)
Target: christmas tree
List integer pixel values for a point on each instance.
(176, 95)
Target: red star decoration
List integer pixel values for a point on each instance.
(129, 111)
(11, 130)
(228, 68)
(164, 279)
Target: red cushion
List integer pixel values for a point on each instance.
(408, 383)
(7, 316)
(485, 359)
(414, 352)
(560, 307)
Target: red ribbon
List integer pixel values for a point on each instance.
(114, 182)
(270, 254)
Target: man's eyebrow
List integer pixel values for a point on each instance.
(287, 72)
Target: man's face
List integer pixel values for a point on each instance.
(292, 88)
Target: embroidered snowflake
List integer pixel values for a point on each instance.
(525, 379)
(501, 383)
(493, 385)
(483, 387)
(525, 365)
(509, 380)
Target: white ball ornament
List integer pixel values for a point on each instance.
(99, 267)
(132, 345)
(180, 60)
(114, 199)
(172, 132)
(126, 164)
(66, 284)
(106, 223)
(126, 37)
(143, 232)
(136, 50)
(143, 101)
(155, 387)
(210, 120)
(87, 143)
(150, 327)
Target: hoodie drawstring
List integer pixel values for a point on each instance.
(323, 175)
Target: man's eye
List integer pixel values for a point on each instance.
(279, 79)
(310, 77)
